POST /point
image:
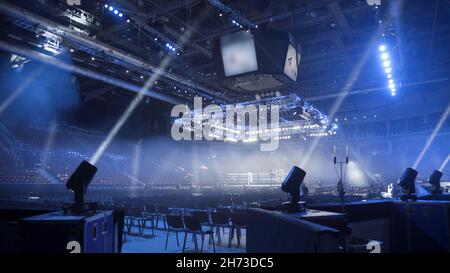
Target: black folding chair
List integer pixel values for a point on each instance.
(134, 217)
(203, 217)
(220, 220)
(174, 224)
(192, 225)
(238, 222)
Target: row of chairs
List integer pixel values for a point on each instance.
(188, 225)
(215, 221)
(190, 221)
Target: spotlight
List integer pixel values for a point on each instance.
(106, 5)
(407, 183)
(92, 58)
(111, 8)
(291, 185)
(382, 48)
(389, 76)
(435, 181)
(120, 14)
(79, 181)
(386, 63)
(71, 50)
(392, 86)
(128, 20)
(384, 56)
(167, 45)
(173, 48)
(388, 70)
(116, 11)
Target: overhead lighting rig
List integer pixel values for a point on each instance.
(156, 36)
(297, 117)
(385, 50)
(235, 18)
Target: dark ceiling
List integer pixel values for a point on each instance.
(335, 37)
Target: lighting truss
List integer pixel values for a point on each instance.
(236, 18)
(79, 16)
(297, 117)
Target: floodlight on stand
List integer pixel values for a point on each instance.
(291, 185)
(435, 181)
(407, 183)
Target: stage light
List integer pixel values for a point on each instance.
(291, 185)
(173, 48)
(128, 20)
(391, 81)
(79, 181)
(384, 56)
(388, 70)
(111, 8)
(71, 50)
(106, 5)
(128, 71)
(407, 183)
(120, 14)
(386, 63)
(167, 45)
(116, 11)
(92, 58)
(389, 76)
(220, 14)
(435, 181)
(392, 86)
(142, 77)
(382, 48)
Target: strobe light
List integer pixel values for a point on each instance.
(407, 183)
(78, 183)
(435, 181)
(291, 185)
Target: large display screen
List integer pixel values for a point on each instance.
(238, 53)
(291, 64)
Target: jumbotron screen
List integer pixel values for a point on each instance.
(291, 63)
(238, 53)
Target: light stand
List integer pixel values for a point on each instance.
(341, 173)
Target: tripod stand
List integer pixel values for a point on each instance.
(341, 173)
